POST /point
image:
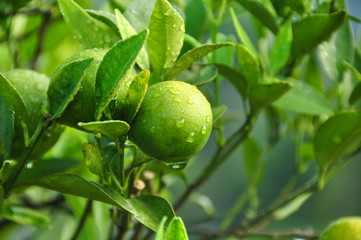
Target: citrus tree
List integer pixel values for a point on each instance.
(105, 107)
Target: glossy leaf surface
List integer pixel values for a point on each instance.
(176, 230)
(110, 128)
(6, 129)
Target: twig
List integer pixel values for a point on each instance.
(81, 223)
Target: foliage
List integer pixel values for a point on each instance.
(293, 65)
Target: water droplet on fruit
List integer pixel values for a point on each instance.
(190, 138)
(179, 123)
(156, 95)
(173, 91)
(88, 21)
(168, 12)
(208, 119)
(337, 139)
(174, 25)
(39, 86)
(177, 100)
(204, 129)
(191, 102)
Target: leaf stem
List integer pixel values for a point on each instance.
(15, 172)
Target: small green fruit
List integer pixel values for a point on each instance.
(174, 122)
(32, 86)
(344, 228)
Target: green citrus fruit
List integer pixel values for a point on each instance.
(344, 228)
(32, 86)
(82, 108)
(173, 123)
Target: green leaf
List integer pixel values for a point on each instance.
(312, 30)
(192, 56)
(90, 32)
(110, 128)
(43, 168)
(106, 18)
(338, 136)
(353, 70)
(236, 79)
(65, 84)
(249, 65)
(114, 67)
(304, 99)
(25, 216)
(6, 130)
(149, 210)
(264, 94)
(1, 196)
(176, 230)
(356, 94)
(160, 232)
(297, 5)
(13, 98)
(137, 16)
(217, 112)
(259, 11)
(203, 201)
(241, 33)
(203, 76)
(126, 30)
(252, 152)
(281, 48)
(93, 158)
(166, 34)
(135, 95)
(292, 206)
(344, 45)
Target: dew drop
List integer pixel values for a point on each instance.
(88, 21)
(156, 95)
(176, 100)
(168, 12)
(179, 123)
(174, 25)
(208, 119)
(204, 129)
(66, 82)
(29, 165)
(173, 91)
(190, 138)
(191, 102)
(39, 86)
(175, 166)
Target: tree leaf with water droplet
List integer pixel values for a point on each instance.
(249, 66)
(13, 98)
(65, 84)
(281, 48)
(110, 128)
(338, 136)
(304, 99)
(115, 65)
(90, 32)
(176, 230)
(149, 210)
(238, 81)
(139, 17)
(218, 112)
(259, 11)
(6, 130)
(203, 76)
(135, 95)
(264, 94)
(192, 56)
(166, 34)
(126, 30)
(312, 30)
(106, 18)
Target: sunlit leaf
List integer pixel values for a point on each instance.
(149, 210)
(106, 18)
(110, 128)
(176, 230)
(166, 33)
(192, 56)
(139, 17)
(114, 67)
(65, 84)
(161, 230)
